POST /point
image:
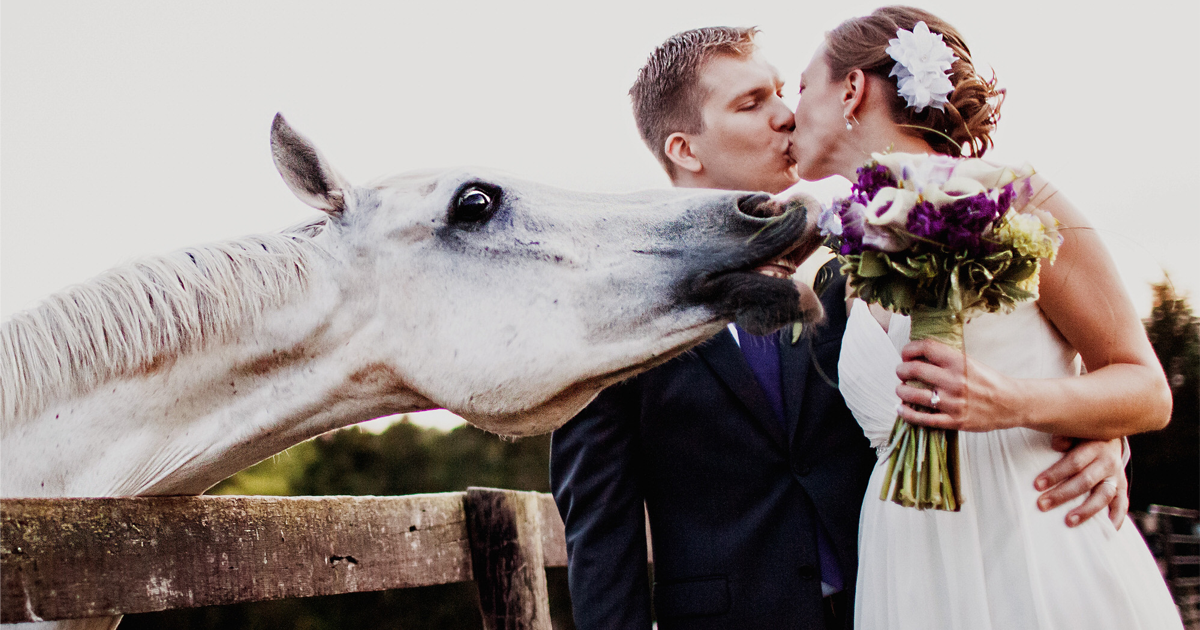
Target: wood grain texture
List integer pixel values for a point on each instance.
(554, 535)
(71, 558)
(505, 527)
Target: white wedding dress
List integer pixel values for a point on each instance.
(999, 563)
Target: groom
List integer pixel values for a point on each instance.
(750, 467)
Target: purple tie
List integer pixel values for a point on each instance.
(762, 353)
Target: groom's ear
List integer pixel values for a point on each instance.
(678, 148)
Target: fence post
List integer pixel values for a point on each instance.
(504, 527)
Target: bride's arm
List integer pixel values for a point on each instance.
(1124, 391)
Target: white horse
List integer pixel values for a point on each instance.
(508, 303)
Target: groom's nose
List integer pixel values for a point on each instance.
(782, 118)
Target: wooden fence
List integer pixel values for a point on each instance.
(1174, 536)
(72, 558)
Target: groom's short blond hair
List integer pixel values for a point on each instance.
(667, 96)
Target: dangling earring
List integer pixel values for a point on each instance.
(850, 127)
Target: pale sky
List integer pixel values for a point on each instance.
(132, 128)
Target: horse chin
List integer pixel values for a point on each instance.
(567, 403)
(541, 419)
(762, 304)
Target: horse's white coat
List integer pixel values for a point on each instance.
(164, 377)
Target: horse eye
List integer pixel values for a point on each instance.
(472, 205)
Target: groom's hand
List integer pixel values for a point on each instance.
(1089, 467)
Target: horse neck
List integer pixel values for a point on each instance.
(302, 369)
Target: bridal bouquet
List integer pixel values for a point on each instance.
(938, 239)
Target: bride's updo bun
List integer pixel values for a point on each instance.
(974, 108)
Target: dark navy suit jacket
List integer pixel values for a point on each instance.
(731, 492)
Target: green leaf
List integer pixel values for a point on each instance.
(873, 264)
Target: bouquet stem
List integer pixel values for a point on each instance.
(923, 468)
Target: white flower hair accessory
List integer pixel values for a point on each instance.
(923, 63)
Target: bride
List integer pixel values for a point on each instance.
(999, 563)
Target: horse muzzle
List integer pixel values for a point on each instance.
(746, 277)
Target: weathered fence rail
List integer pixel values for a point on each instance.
(72, 558)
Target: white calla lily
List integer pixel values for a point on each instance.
(902, 202)
(954, 189)
(934, 170)
(963, 187)
(917, 171)
(990, 175)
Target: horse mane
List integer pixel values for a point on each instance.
(137, 316)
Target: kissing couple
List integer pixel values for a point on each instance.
(757, 461)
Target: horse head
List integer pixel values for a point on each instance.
(509, 303)
(513, 304)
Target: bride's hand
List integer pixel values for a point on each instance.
(969, 395)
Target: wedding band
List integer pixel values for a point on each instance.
(934, 399)
(1109, 482)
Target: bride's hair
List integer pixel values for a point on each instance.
(974, 108)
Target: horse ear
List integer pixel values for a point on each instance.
(305, 170)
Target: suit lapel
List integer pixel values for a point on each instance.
(794, 360)
(726, 360)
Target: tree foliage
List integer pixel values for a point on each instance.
(1165, 467)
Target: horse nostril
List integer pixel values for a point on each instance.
(758, 205)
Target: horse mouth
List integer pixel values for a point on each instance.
(783, 266)
(779, 269)
(753, 285)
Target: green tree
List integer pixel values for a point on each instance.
(406, 459)
(1165, 468)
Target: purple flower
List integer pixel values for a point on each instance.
(870, 181)
(961, 224)
(830, 221)
(926, 222)
(969, 219)
(853, 219)
(1005, 199)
